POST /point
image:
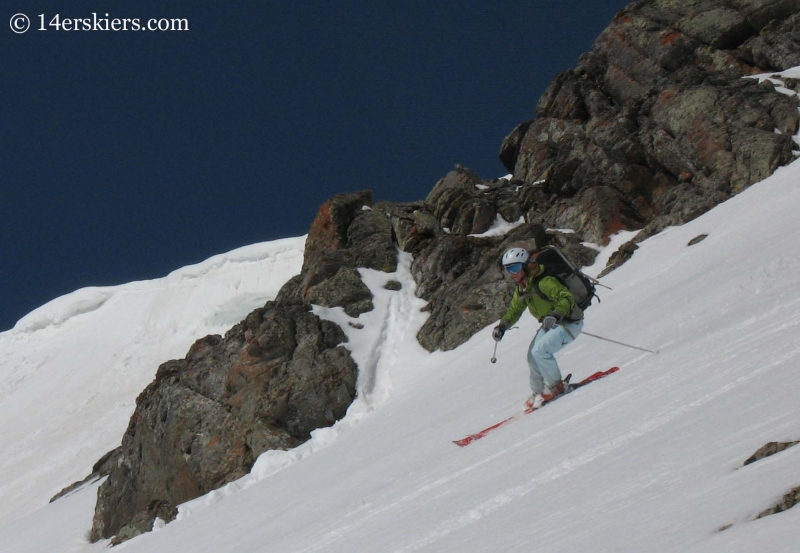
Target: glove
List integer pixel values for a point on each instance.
(498, 332)
(550, 321)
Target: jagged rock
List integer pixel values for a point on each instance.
(463, 281)
(619, 257)
(328, 232)
(460, 205)
(681, 203)
(760, 13)
(571, 245)
(393, 285)
(369, 238)
(347, 233)
(791, 498)
(345, 288)
(205, 419)
(787, 502)
(412, 224)
(658, 112)
(509, 150)
(697, 239)
(769, 449)
(595, 214)
(143, 521)
(720, 27)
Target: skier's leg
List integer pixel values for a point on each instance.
(541, 354)
(537, 382)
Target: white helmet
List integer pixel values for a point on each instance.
(515, 255)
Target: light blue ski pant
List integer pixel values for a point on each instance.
(541, 354)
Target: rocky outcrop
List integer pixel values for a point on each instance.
(270, 381)
(789, 500)
(346, 234)
(456, 261)
(792, 497)
(656, 122)
(654, 127)
(768, 450)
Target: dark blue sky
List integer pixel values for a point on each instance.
(126, 155)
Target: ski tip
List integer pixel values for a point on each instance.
(462, 443)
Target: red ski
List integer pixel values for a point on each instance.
(472, 437)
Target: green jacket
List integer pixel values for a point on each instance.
(562, 300)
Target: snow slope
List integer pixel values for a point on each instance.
(70, 371)
(647, 460)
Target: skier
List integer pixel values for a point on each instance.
(553, 305)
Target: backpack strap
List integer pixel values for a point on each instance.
(540, 276)
(539, 290)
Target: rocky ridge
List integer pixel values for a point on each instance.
(653, 128)
(656, 124)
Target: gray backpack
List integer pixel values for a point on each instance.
(558, 266)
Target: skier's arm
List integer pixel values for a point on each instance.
(515, 310)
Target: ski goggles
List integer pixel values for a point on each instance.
(513, 268)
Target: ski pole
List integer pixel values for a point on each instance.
(608, 340)
(598, 283)
(494, 355)
(619, 343)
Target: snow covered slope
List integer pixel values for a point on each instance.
(647, 460)
(71, 370)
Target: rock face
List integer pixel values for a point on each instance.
(789, 500)
(653, 128)
(656, 123)
(273, 378)
(768, 450)
(457, 268)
